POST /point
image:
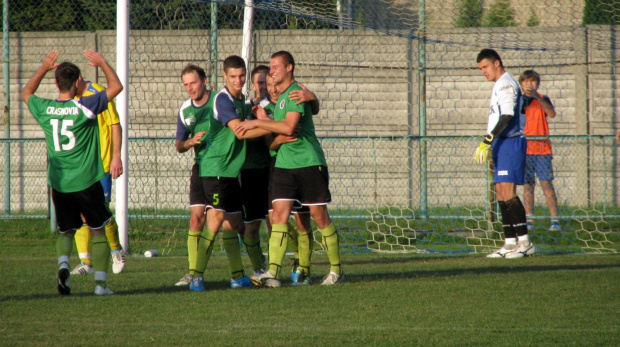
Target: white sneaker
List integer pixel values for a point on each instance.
(523, 250)
(118, 261)
(555, 226)
(266, 280)
(501, 253)
(82, 269)
(332, 278)
(99, 290)
(185, 280)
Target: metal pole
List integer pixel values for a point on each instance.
(248, 17)
(422, 105)
(214, 45)
(7, 108)
(122, 106)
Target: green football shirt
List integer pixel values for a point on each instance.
(72, 138)
(269, 107)
(192, 120)
(225, 153)
(306, 151)
(257, 153)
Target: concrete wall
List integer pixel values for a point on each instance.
(369, 90)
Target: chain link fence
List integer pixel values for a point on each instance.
(403, 106)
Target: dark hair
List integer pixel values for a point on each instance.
(489, 54)
(66, 75)
(234, 62)
(529, 74)
(258, 70)
(286, 57)
(190, 68)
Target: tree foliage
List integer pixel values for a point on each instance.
(533, 20)
(92, 15)
(601, 12)
(500, 15)
(470, 14)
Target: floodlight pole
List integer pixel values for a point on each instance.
(122, 106)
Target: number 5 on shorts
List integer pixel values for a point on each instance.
(216, 199)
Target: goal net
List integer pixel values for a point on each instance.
(403, 107)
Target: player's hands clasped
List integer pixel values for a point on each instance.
(244, 126)
(482, 152)
(260, 113)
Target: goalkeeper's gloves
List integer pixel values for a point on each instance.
(482, 153)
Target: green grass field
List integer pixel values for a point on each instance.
(386, 300)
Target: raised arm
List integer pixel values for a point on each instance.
(546, 105)
(48, 63)
(97, 60)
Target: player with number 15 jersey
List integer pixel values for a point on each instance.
(72, 137)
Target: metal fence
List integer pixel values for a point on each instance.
(403, 106)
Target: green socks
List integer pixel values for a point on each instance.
(204, 248)
(331, 244)
(252, 244)
(305, 251)
(193, 242)
(100, 253)
(277, 247)
(64, 246)
(233, 251)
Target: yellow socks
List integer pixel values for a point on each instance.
(82, 243)
(111, 233)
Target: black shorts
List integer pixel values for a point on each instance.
(308, 185)
(300, 209)
(89, 202)
(296, 206)
(197, 184)
(223, 194)
(254, 193)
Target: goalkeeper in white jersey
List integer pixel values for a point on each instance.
(506, 140)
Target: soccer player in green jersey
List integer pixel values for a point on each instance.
(192, 127)
(75, 168)
(300, 174)
(220, 166)
(300, 273)
(254, 178)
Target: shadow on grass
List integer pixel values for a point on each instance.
(479, 266)
(507, 269)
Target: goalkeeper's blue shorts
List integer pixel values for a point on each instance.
(509, 159)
